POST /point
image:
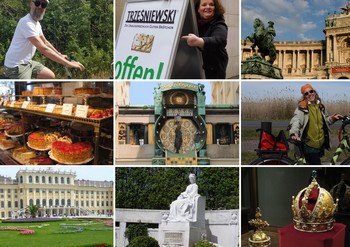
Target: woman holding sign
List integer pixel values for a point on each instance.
(212, 38)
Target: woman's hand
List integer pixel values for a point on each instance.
(193, 40)
(336, 117)
(295, 137)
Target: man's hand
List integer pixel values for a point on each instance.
(76, 65)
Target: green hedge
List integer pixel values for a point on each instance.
(144, 241)
(204, 243)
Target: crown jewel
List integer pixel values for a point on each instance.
(313, 208)
(259, 238)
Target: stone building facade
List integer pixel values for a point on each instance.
(315, 59)
(210, 132)
(57, 192)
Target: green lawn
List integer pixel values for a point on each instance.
(47, 236)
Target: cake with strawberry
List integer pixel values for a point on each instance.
(66, 152)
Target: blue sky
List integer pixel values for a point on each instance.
(327, 90)
(141, 93)
(97, 173)
(295, 20)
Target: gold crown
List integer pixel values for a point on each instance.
(313, 208)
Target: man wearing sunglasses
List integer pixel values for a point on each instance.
(28, 38)
(311, 122)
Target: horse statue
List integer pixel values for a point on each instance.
(263, 39)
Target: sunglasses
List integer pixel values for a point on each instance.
(38, 3)
(307, 93)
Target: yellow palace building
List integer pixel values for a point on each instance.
(57, 192)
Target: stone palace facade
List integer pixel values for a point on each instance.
(322, 59)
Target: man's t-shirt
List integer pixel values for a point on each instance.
(21, 50)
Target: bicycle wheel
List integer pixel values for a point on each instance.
(272, 161)
(345, 162)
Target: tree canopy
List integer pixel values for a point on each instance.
(156, 188)
(81, 28)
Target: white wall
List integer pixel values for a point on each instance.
(221, 225)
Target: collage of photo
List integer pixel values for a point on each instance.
(174, 123)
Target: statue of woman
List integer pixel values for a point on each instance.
(183, 209)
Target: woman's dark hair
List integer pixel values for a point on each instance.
(219, 9)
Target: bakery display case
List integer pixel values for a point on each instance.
(66, 125)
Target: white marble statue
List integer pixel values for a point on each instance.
(184, 208)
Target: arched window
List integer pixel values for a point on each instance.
(62, 180)
(56, 180)
(37, 179)
(50, 180)
(62, 202)
(30, 179)
(21, 203)
(21, 179)
(50, 202)
(44, 202)
(43, 181)
(57, 202)
(68, 180)
(68, 202)
(37, 202)
(31, 202)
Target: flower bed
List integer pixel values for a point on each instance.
(31, 220)
(21, 230)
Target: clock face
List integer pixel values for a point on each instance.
(188, 129)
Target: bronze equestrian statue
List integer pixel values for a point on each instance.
(263, 39)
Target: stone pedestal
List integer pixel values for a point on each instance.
(184, 233)
(259, 69)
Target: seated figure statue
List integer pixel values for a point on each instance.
(184, 208)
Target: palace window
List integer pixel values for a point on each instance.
(44, 202)
(37, 202)
(21, 179)
(31, 202)
(30, 190)
(37, 190)
(37, 179)
(62, 180)
(56, 180)
(57, 202)
(68, 180)
(43, 180)
(63, 202)
(30, 179)
(1, 190)
(16, 204)
(68, 202)
(50, 180)
(50, 202)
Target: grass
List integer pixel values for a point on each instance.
(47, 236)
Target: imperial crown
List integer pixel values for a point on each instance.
(313, 208)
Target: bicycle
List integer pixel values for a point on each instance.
(344, 142)
(280, 157)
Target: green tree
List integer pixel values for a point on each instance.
(33, 210)
(156, 188)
